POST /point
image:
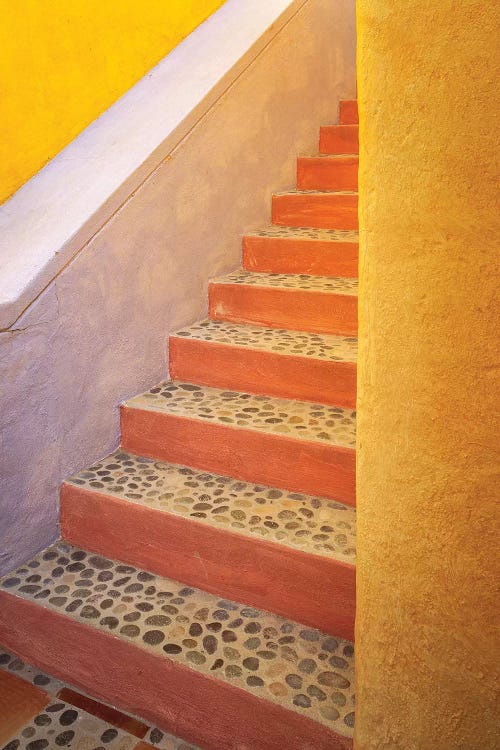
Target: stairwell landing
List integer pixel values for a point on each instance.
(205, 581)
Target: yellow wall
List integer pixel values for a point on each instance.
(63, 62)
(427, 607)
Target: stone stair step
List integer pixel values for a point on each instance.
(318, 304)
(285, 552)
(178, 655)
(349, 112)
(327, 172)
(268, 361)
(339, 139)
(333, 209)
(297, 445)
(302, 250)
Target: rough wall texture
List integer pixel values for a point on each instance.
(99, 332)
(427, 569)
(62, 64)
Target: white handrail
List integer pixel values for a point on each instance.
(54, 215)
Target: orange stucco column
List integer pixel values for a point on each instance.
(426, 607)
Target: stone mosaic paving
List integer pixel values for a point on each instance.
(312, 524)
(87, 727)
(297, 343)
(296, 419)
(307, 233)
(301, 281)
(279, 660)
(62, 725)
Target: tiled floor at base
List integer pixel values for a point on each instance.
(48, 713)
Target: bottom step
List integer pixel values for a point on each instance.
(219, 674)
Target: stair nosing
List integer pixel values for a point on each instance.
(298, 191)
(256, 276)
(333, 157)
(274, 506)
(292, 233)
(341, 125)
(328, 339)
(153, 401)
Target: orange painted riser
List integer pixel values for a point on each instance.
(315, 590)
(279, 255)
(349, 112)
(322, 210)
(266, 373)
(201, 709)
(304, 466)
(295, 309)
(327, 173)
(339, 139)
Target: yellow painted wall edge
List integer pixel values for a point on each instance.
(64, 63)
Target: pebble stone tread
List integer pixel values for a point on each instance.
(302, 420)
(296, 343)
(281, 661)
(306, 233)
(31, 733)
(303, 282)
(318, 192)
(63, 725)
(312, 524)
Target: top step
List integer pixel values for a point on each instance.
(349, 112)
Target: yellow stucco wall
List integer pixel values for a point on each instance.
(63, 62)
(428, 568)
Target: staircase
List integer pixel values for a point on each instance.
(226, 518)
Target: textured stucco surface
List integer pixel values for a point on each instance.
(427, 600)
(99, 332)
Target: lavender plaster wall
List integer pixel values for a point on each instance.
(98, 334)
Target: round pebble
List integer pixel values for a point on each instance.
(64, 738)
(68, 717)
(109, 735)
(153, 637)
(251, 663)
(329, 713)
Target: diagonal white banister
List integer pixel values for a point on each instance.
(52, 217)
